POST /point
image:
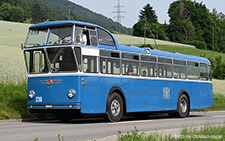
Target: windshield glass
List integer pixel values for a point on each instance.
(52, 60)
(36, 37)
(61, 59)
(60, 35)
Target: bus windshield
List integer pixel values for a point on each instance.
(36, 37)
(49, 36)
(51, 60)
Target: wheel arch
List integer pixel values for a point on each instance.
(121, 93)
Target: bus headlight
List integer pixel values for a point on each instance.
(31, 94)
(71, 93)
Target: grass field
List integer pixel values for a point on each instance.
(12, 65)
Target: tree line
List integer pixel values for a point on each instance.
(190, 22)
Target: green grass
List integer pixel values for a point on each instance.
(208, 132)
(13, 101)
(218, 103)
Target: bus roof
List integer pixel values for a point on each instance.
(131, 49)
(58, 23)
(179, 56)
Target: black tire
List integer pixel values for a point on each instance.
(183, 107)
(114, 111)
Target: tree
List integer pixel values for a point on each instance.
(149, 13)
(4, 11)
(188, 30)
(138, 29)
(17, 14)
(37, 13)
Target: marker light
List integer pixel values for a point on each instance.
(31, 94)
(71, 93)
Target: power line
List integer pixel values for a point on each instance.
(118, 13)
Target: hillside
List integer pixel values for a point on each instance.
(41, 10)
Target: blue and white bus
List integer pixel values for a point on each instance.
(76, 68)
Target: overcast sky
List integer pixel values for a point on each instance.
(133, 7)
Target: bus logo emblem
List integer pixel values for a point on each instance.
(166, 93)
(49, 82)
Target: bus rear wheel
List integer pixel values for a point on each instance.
(183, 107)
(114, 108)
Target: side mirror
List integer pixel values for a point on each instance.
(21, 46)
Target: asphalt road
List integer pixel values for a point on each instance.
(95, 128)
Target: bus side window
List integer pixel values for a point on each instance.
(109, 62)
(130, 64)
(93, 38)
(89, 64)
(192, 70)
(204, 75)
(148, 66)
(105, 38)
(164, 67)
(179, 69)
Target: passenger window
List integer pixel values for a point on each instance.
(179, 69)
(110, 62)
(89, 64)
(93, 38)
(210, 74)
(105, 38)
(164, 67)
(192, 70)
(130, 67)
(204, 75)
(130, 64)
(85, 36)
(148, 66)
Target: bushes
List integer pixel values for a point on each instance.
(197, 44)
(217, 67)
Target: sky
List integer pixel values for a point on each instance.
(133, 7)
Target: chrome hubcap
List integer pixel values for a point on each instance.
(115, 107)
(183, 106)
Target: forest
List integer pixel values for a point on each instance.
(190, 22)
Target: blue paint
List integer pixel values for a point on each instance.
(147, 95)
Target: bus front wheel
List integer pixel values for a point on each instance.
(114, 108)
